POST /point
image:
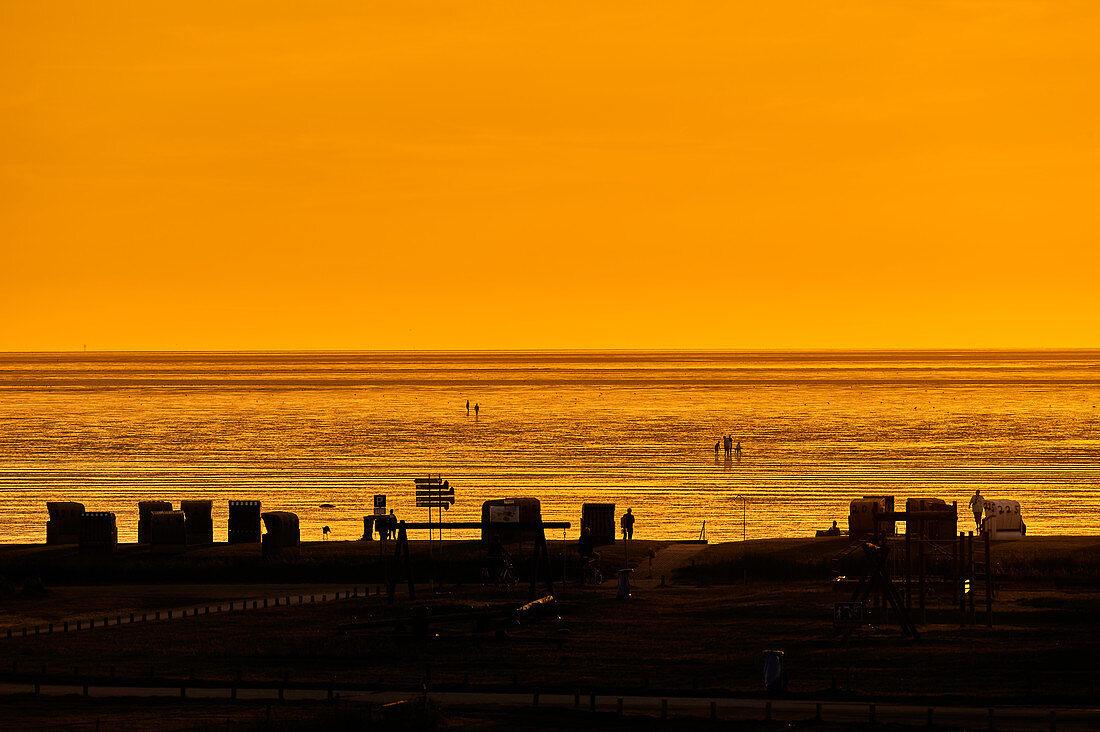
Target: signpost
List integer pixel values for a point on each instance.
(434, 493)
(380, 504)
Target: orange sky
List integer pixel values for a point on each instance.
(224, 175)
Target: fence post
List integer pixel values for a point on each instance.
(619, 706)
(713, 711)
(664, 709)
(871, 713)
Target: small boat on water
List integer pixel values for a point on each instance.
(328, 505)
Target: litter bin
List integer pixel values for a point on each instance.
(624, 584)
(368, 528)
(774, 677)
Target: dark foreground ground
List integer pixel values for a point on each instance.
(702, 634)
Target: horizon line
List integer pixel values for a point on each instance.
(566, 349)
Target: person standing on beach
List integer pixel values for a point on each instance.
(716, 451)
(737, 450)
(627, 523)
(477, 408)
(977, 503)
(467, 407)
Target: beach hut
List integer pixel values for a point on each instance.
(145, 508)
(167, 528)
(861, 516)
(244, 522)
(98, 532)
(283, 533)
(599, 519)
(500, 516)
(198, 521)
(64, 524)
(936, 529)
(1002, 520)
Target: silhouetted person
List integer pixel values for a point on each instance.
(467, 407)
(627, 522)
(390, 526)
(716, 451)
(737, 450)
(977, 504)
(833, 530)
(477, 408)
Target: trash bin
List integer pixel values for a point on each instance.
(624, 584)
(368, 528)
(774, 678)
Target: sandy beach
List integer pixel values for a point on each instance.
(702, 633)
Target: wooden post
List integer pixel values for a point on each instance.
(970, 564)
(960, 561)
(988, 585)
(955, 571)
(908, 569)
(921, 559)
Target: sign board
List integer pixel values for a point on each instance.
(380, 504)
(503, 514)
(848, 615)
(434, 493)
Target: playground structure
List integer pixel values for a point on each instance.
(928, 564)
(402, 563)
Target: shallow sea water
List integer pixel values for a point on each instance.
(296, 430)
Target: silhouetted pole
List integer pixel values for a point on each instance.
(970, 552)
(988, 585)
(920, 558)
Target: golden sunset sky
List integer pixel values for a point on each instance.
(253, 175)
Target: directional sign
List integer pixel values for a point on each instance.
(434, 492)
(441, 497)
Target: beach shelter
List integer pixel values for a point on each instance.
(1001, 519)
(64, 524)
